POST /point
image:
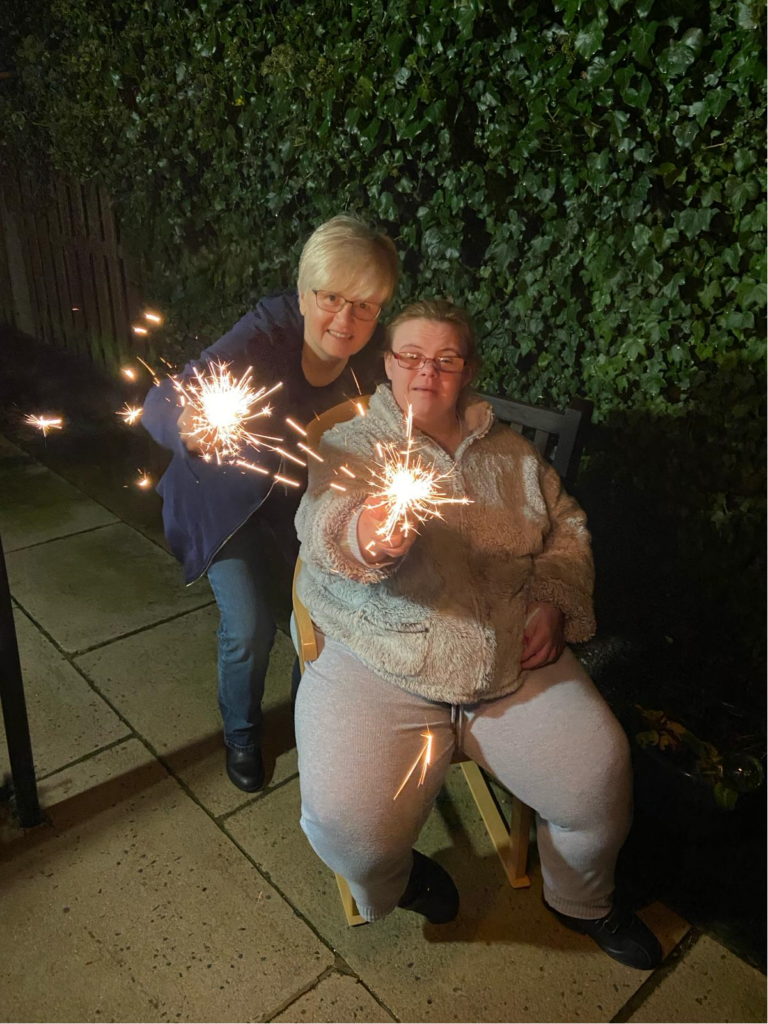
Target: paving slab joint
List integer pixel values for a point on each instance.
(667, 967)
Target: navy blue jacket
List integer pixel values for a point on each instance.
(204, 504)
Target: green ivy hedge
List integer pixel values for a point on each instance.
(586, 176)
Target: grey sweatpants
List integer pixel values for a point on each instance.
(554, 743)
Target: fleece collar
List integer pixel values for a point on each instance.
(476, 415)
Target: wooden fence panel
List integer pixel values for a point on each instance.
(123, 334)
(90, 305)
(63, 275)
(7, 311)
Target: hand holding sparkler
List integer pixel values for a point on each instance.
(373, 544)
(409, 492)
(187, 424)
(218, 410)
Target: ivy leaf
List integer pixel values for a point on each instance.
(738, 191)
(692, 221)
(750, 293)
(638, 97)
(572, 8)
(641, 39)
(725, 796)
(678, 58)
(743, 159)
(435, 112)
(648, 263)
(590, 38)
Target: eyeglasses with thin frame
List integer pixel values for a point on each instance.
(332, 302)
(443, 364)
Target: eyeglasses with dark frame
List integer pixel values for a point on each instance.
(443, 364)
(332, 302)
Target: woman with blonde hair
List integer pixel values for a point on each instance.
(315, 341)
(458, 629)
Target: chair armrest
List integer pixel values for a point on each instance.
(304, 625)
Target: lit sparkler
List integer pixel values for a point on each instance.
(144, 480)
(408, 488)
(223, 408)
(128, 372)
(153, 317)
(424, 758)
(130, 413)
(139, 330)
(45, 423)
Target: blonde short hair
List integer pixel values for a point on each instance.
(347, 255)
(442, 312)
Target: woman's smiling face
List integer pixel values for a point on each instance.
(337, 335)
(432, 393)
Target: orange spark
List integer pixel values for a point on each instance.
(45, 423)
(309, 451)
(295, 426)
(130, 413)
(287, 455)
(252, 466)
(425, 758)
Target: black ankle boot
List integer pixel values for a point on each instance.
(430, 891)
(621, 934)
(245, 769)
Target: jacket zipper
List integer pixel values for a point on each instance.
(226, 540)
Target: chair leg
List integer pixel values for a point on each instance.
(511, 844)
(348, 902)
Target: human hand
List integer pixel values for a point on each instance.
(371, 544)
(185, 423)
(544, 639)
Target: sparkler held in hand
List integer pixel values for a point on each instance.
(409, 489)
(217, 410)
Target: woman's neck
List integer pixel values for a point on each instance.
(448, 431)
(320, 372)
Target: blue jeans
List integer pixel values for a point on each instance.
(246, 634)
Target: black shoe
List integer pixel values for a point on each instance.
(245, 769)
(430, 891)
(621, 934)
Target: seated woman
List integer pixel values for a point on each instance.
(460, 630)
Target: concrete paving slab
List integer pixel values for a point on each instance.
(94, 587)
(37, 505)
(136, 907)
(709, 984)
(172, 703)
(338, 997)
(505, 958)
(66, 718)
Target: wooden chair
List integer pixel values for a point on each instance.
(559, 437)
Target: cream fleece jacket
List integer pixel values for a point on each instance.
(446, 621)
